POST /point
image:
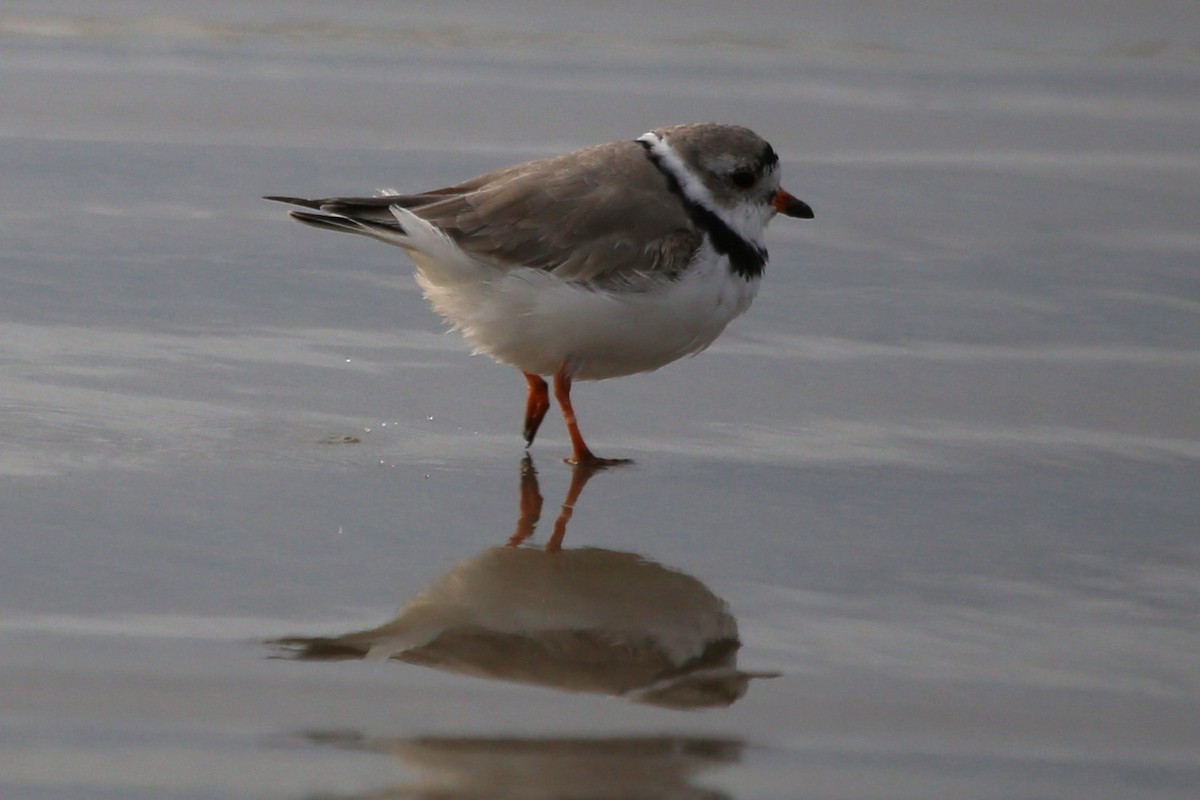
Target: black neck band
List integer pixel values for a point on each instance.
(745, 259)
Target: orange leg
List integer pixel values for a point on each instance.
(537, 403)
(580, 454)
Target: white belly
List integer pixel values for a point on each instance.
(534, 321)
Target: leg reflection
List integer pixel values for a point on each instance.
(531, 501)
(530, 508)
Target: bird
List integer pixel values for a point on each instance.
(608, 261)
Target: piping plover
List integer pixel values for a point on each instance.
(608, 261)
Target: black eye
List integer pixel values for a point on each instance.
(743, 178)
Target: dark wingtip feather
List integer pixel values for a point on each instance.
(295, 201)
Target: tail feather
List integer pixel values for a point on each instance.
(327, 222)
(374, 209)
(367, 216)
(389, 218)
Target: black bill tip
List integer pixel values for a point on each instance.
(791, 207)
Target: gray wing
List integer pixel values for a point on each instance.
(604, 214)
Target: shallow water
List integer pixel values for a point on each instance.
(925, 518)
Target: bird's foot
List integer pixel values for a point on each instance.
(589, 461)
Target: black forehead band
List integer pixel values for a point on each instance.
(766, 160)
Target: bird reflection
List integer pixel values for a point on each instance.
(501, 768)
(577, 619)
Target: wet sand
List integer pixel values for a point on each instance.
(922, 523)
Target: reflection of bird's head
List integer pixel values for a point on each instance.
(710, 681)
